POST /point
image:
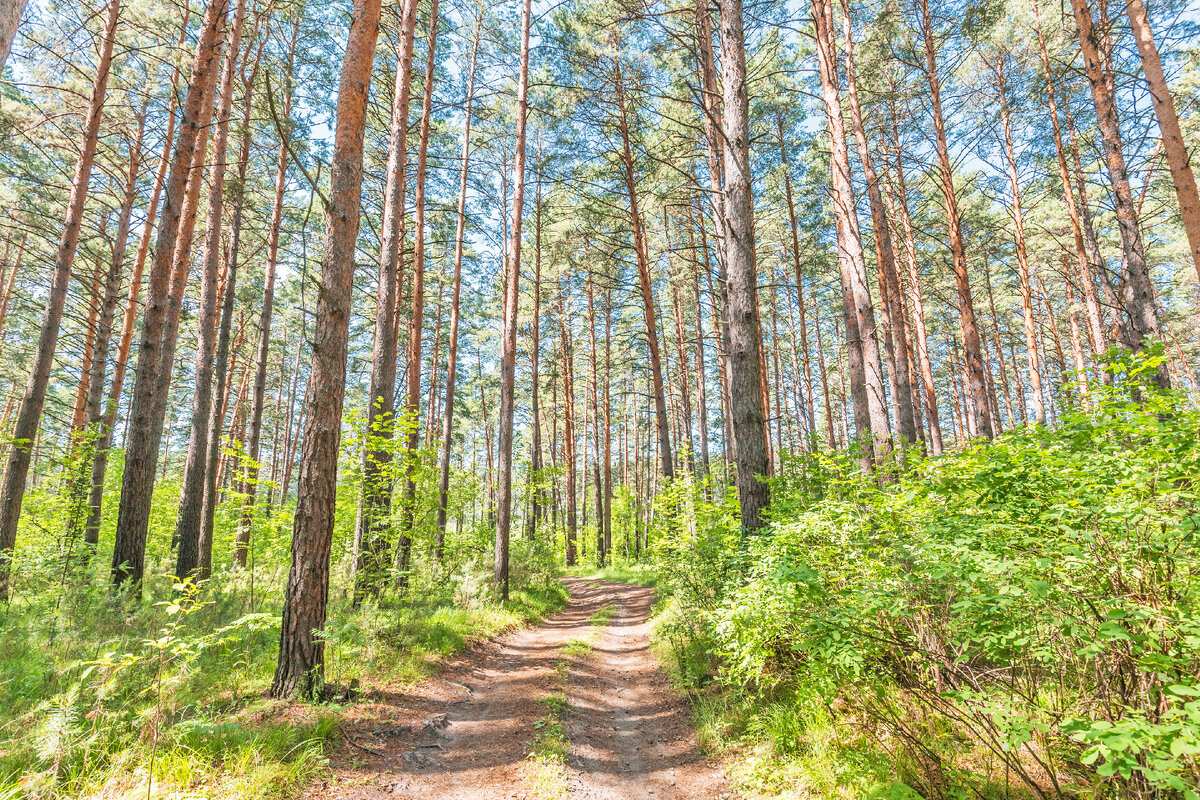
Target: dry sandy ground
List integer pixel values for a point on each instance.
(465, 735)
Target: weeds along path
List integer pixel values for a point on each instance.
(574, 708)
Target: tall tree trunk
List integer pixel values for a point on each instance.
(1095, 327)
(34, 397)
(642, 254)
(1178, 160)
(742, 311)
(374, 522)
(535, 444)
(794, 225)
(452, 346)
(508, 351)
(301, 649)
(568, 381)
(1138, 292)
(251, 469)
(133, 304)
(221, 366)
(160, 317)
(412, 409)
(191, 503)
(915, 299)
(1035, 375)
(866, 369)
(972, 346)
(95, 411)
(895, 329)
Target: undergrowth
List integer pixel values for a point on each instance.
(102, 695)
(1016, 619)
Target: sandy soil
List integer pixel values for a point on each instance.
(465, 734)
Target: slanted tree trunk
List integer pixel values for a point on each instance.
(1035, 374)
(742, 311)
(301, 649)
(1138, 298)
(914, 296)
(1094, 326)
(160, 317)
(10, 19)
(191, 503)
(1178, 159)
(94, 411)
(221, 366)
(374, 521)
(132, 306)
(978, 411)
(866, 370)
(34, 398)
(642, 254)
(452, 346)
(508, 350)
(251, 469)
(895, 329)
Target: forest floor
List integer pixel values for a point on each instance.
(577, 707)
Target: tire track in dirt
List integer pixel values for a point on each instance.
(465, 734)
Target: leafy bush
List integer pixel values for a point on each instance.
(1030, 601)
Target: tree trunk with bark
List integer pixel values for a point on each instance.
(1138, 294)
(452, 346)
(866, 369)
(156, 351)
(34, 398)
(979, 413)
(1178, 159)
(191, 503)
(508, 350)
(742, 310)
(301, 650)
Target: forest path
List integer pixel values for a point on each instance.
(466, 734)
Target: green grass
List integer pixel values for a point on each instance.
(103, 700)
(546, 764)
(604, 616)
(639, 573)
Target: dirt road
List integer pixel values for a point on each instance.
(466, 735)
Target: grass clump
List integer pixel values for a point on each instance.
(546, 764)
(603, 616)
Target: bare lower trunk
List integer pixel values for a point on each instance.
(978, 411)
(301, 650)
(742, 310)
(156, 351)
(508, 351)
(191, 503)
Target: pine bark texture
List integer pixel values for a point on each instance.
(301, 650)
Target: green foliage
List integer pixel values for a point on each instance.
(1027, 604)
